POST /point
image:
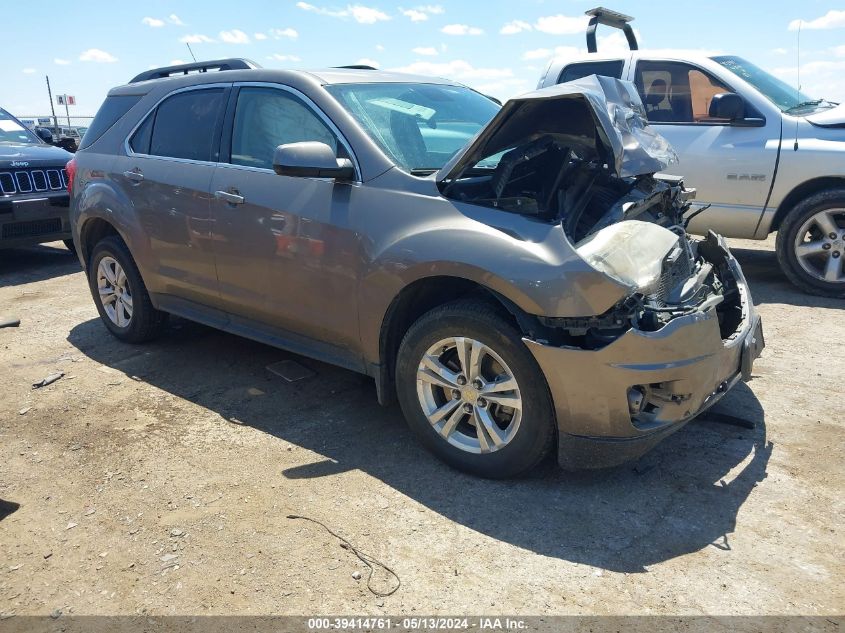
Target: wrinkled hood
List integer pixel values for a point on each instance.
(36, 154)
(619, 122)
(833, 117)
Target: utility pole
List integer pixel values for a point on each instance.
(53, 109)
(67, 112)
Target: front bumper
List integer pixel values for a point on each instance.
(34, 219)
(683, 369)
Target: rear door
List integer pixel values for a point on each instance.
(731, 166)
(286, 253)
(166, 173)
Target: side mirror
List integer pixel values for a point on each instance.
(44, 134)
(727, 105)
(311, 159)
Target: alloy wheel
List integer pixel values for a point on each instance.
(115, 293)
(469, 395)
(820, 246)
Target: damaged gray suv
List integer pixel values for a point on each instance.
(519, 277)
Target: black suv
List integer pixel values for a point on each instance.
(33, 187)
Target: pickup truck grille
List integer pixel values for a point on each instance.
(23, 181)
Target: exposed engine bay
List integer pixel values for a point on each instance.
(593, 171)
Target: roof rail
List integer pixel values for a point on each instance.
(358, 67)
(201, 67)
(600, 15)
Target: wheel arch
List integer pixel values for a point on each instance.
(92, 231)
(420, 297)
(802, 191)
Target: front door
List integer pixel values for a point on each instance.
(286, 256)
(730, 166)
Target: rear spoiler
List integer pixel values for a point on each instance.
(613, 19)
(196, 67)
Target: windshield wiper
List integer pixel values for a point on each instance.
(424, 171)
(805, 104)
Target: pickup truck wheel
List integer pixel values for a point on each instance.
(811, 244)
(473, 393)
(120, 295)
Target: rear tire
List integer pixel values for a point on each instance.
(494, 419)
(120, 294)
(811, 244)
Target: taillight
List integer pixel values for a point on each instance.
(71, 173)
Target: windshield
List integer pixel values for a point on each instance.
(11, 130)
(419, 126)
(778, 92)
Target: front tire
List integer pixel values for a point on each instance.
(473, 393)
(120, 294)
(811, 244)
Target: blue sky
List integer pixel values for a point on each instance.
(496, 46)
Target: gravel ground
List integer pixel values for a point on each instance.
(158, 479)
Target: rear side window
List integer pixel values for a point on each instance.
(185, 125)
(608, 68)
(110, 112)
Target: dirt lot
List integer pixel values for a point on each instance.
(157, 479)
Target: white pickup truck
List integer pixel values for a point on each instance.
(764, 156)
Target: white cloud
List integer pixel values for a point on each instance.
(284, 58)
(153, 22)
(177, 62)
(288, 32)
(174, 19)
(360, 13)
(259, 36)
(424, 50)
(61, 62)
(28, 71)
(196, 38)
(379, 47)
(461, 29)
(516, 26)
(97, 55)
(422, 13)
(234, 36)
(367, 15)
(839, 51)
(780, 51)
(819, 79)
(416, 16)
(366, 61)
(561, 24)
(833, 19)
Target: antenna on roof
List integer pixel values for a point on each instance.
(190, 51)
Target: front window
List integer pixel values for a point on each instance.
(784, 96)
(419, 126)
(11, 130)
(674, 92)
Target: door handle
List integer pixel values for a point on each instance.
(231, 198)
(134, 175)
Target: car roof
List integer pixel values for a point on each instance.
(324, 76)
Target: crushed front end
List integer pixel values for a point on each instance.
(624, 380)
(581, 158)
